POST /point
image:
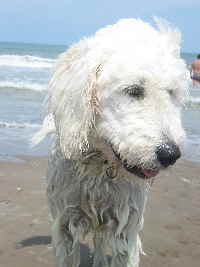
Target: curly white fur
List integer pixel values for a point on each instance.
(89, 190)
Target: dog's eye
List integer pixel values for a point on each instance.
(136, 91)
(171, 92)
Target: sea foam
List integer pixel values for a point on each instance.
(23, 85)
(26, 61)
(19, 125)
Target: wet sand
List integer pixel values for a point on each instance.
(171, 236)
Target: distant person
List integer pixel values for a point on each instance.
(195, 71)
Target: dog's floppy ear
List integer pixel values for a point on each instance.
(170, 34)
(73, 99)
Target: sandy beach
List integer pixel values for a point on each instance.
(171, 236)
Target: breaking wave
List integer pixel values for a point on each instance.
(23, 85)
(26, 61)
(18, 125)
(194, 101)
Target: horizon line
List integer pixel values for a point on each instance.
(66, 45)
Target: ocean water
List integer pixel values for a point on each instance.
(25, 70)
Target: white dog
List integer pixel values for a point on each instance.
(115, 100)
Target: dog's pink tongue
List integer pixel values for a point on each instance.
(150, 173)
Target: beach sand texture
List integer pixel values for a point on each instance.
(171, 236)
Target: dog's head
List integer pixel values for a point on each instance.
(124, 87)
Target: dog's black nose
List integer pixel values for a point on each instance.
(168, 153)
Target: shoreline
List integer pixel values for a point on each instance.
(25, 158)
(171, 236)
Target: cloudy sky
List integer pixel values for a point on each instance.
(66, 21)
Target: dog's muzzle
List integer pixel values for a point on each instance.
(167, 154)
(144, 173)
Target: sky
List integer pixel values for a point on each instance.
(66, 21)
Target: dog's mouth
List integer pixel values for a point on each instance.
(144, 173)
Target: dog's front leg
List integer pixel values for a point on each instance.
(128, 252)
(120, 260)
(68, 260)
(67, 230)
(100, 258)
(67, 253)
